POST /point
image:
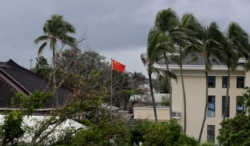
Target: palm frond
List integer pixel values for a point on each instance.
(41, 38)
(68, 27)
(193, 58)
(239, 39)
(166, 73)
(41, 48)
(166, 20)
(144, 59)
(68, 40)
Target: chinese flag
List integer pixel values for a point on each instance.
(117, 66)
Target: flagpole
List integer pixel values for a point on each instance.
(117, 66)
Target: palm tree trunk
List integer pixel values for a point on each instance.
(54, 76)
(170, 93)
(152, 95)
(227, 95)
(184, 100)
(184, 94)
(205, 110)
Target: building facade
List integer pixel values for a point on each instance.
(195, 87)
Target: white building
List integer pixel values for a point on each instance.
(195, 87)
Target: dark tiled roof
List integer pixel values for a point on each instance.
(28, 81)
(6, 91)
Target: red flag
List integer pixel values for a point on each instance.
(117, 66)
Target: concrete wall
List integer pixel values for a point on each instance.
(147, 112)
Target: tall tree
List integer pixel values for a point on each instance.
(235, 47)
(55, 29)
(211, 49)
(165, 58)
(183, 37)
(182, 33)
(166, 20)
(156, 40)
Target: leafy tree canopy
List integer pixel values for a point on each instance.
(235, 131)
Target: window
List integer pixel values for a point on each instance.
(239, 104)
(211, 106)
(210, 133)
(225, 106)
(224, 82)
(240, 82)
(211, 81)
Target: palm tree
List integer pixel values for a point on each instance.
(156, 41)
(211, 49)
(166, 20)
(165, 57)
(236, 46)
(182, 34)
(55, 30)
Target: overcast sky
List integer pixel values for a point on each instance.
(116, 29)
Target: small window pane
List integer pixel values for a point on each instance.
(211, 82)
(225, 105)
(240, 82)
(224, 82)
(211, 106)
(211, 133)
(239, 104)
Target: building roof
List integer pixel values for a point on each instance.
(200, 60)
(14, 78)
(199, 64)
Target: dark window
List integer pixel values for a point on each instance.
(240, 82)
(224, 82)
(211, 81)
(225, 106)
(210, 133)
(211, 106)
(239, 104)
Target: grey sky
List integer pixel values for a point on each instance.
(114, 28)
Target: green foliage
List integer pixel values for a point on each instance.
(91, 70)
(163, 134)
(208, 144)
(138, 129)
(42, 67)
(104, 133)
(158, 134)
(185, 140)
(11, 130)
(235, 131)
(34, 101)
(165, 101)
